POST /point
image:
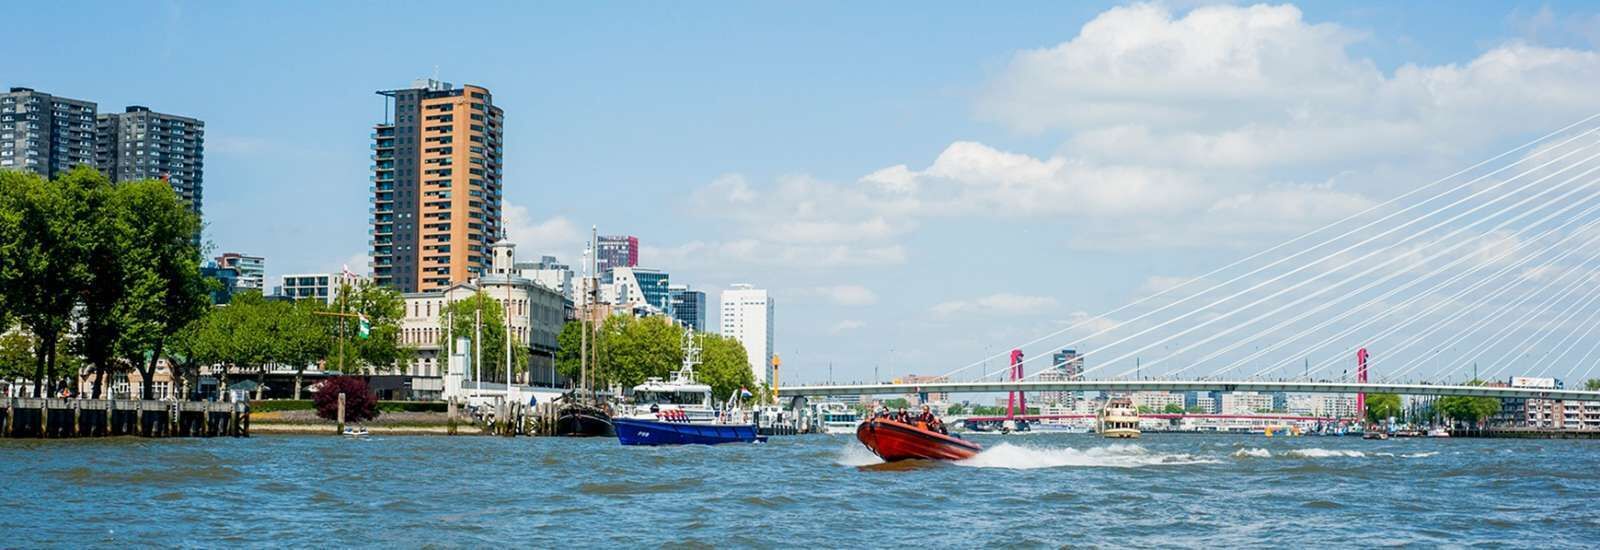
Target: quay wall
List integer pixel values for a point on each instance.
(65, 418)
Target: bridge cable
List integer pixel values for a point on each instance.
(1500, 312)
(1491, 187)
(1306, 235)
(1370, 284)
(1403, 304)
(1315, 278)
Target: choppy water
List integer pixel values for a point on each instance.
(822, 491)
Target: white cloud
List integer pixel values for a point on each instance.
(744, 253)
(995, 304)
(843, 295)
(1242, 87)
(846, 325)
(534, 237)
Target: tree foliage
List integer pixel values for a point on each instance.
(385, 309)
(1592, 384)
(457, 319)
(360, 404)
(1468, 409)
(46, 256)
(627, 350)
(1381, 406)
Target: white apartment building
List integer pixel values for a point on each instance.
(536, 314)
(1245, 402)
(747, 317)
(320, 286)
(1155, 401)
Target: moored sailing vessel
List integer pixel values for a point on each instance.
(581, 413)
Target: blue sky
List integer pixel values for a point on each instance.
(643, 118)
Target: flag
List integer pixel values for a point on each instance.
(365, 327)
(745, 393)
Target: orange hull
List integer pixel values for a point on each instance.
(893, 441)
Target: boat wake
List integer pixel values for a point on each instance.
(1254, 452)
(853, 454)
(1027, 457)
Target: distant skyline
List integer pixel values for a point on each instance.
(917, 185)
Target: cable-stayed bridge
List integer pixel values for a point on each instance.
(1488, 274)
(1186, 386)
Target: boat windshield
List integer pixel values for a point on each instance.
(669, 398)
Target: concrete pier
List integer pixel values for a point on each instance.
(60, 418)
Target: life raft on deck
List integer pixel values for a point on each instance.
(893, 441)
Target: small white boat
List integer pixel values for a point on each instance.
(837, 418)
(1439, 431)
(355, 431)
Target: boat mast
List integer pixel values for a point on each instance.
(583, 323)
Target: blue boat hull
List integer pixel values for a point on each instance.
(651, 432)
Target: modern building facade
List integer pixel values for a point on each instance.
(140, 144)
(1157, 401)
(1065, 365)
(688, 306)
(636, 287)
(746, 316)
(45, 134)
(227, 280)
(616, 251)
(321, 286)
(552, 274)
(1245, 402)
(252, 270)
(437, 186)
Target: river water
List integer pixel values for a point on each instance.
(820, 491)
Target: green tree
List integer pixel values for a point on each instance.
(1462, 408)
(568, 350)
(460, 314)
(1381, 406)
(955, 409)
(195, 344)
(163, 289)
(46, 258)
(1173, 408)
(628, 350)
(384, 309)
(16, 355)
(724, 366)
(1592, 384)
(301, 337)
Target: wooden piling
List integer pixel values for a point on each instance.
(341, 413)
(450, 417)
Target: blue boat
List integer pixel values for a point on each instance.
(632, 431)
(680, 411)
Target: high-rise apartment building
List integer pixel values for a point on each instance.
(252, 270)
(45, 134)
(747, 317)
(142, 144)
(437, 185)
(688, 307)
(617, 251)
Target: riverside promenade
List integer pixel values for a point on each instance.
(67, 418)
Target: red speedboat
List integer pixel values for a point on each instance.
(893, 441)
